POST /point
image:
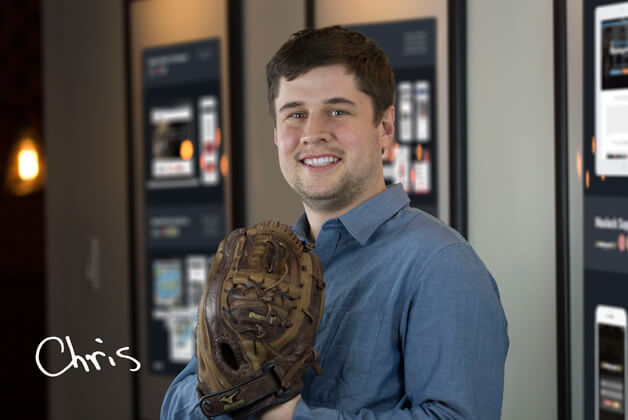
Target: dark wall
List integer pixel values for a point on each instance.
(21, 218)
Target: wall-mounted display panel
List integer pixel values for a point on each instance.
(605, 200)
(181, 180)
(415, 36)
(184, 210)
(597, 70)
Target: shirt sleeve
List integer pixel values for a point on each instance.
(454, 342)
(181, 400)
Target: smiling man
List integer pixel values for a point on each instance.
(413, 327)
(329, 142)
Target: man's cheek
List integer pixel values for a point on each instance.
(287, 141)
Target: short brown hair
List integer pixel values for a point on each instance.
(310, 48)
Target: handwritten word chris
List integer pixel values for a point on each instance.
(75, 359)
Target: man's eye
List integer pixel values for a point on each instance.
(337, 112)
(297, 115)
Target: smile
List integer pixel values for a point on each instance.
(321, 161)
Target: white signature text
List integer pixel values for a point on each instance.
(75, 359)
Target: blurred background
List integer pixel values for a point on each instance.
(22, 261)
(108, 228)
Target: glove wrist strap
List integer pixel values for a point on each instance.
(239, 396)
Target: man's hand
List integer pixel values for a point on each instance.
(283, 411)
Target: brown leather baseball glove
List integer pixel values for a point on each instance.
(257, 321)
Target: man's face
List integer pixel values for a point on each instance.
(330, 150)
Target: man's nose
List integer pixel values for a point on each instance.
(316, 130)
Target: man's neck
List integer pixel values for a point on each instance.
(316, 218)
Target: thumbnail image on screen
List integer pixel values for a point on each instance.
(167, 282)
(409, 162)
(611, 372)
(610, 357)
(611, 81)
(615, 54)
(172, 145)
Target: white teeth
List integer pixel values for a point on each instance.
(321, 161)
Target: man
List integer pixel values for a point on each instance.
(413, 327)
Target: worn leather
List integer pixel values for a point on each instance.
(257, 321)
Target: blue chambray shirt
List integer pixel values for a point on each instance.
(413, 327)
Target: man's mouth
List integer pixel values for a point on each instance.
(320, 161)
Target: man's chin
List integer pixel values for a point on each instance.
(326, 202)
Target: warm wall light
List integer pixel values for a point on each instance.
(224, 165)
(419, 152)
(28, 164)
(218, 137)
(186, 150)
(25, 173)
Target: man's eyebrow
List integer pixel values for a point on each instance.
(290, 105)
(340, 100)
(331, 101)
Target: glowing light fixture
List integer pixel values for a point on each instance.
(25, 173)
(218, 137)
(28, 164)
(419, 152)
(224, 165)
(186, 150)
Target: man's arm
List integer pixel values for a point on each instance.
(454, 344)
(181, 400)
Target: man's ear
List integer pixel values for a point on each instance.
(387, 127)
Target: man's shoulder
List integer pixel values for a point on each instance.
(411, 227)
(443, 258)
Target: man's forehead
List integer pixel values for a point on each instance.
(322, 83)
(323, 69)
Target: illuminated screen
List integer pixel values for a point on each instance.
(611, 372)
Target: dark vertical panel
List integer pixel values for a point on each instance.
(310, 15)
(236, 81)
(562, 211)
(130, 159)
(457, 57)
(22, 260)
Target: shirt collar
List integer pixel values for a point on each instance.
(301, 228)
(363, 220)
